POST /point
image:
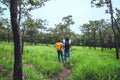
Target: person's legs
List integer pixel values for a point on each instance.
(61, 55)
(58, 56)
(68, 53)
(64, 55)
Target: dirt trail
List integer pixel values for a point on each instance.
(63, 74)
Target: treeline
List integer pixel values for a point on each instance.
(93, 34)
(99, 33)
(34, 31)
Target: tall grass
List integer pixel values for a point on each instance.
(90, 64)
(40, 63)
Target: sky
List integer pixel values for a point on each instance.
(81, 11)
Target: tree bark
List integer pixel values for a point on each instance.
(116, 22)
(101, 40)
(94, 43)
(115, 36)
(110, 42)
(8, 36)
(17, 75)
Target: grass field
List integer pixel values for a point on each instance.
(40, 63)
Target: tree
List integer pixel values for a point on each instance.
(94, 27)
(15, 20)
(4, 25)
(86, 30)
(101, 3)
(34, 27)
(67, 20)
(17, 75)
(97, 33)
(5, 29)
(24, 7)
(100, 30)
(1, 11)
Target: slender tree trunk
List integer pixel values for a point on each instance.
(89, 37)
(94, 40)
(23, 38)
(22, 44)
(101, 40)
(19, 22)
(115, 36)
(8, 35)
(89, 43)
(110, 42)
(17, 75)
(117, 25)
(19, 16)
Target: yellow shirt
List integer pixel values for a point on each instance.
(59, 46)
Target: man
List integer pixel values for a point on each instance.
(59, 46)
(67, 45)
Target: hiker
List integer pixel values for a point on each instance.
(59, 46)
(67, 45)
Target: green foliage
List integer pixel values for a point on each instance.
(68, 20)
(92, 64)
(31, 73)
(40, 63)
(97, 33)
(68, 64)
(6, 61)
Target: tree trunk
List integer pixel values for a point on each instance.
(116, 23)
(17, 75)
(89, 37)
(94, 43)
(115, 36)
(110, 42)
(8, 36)
(23, 34)
(101, 40)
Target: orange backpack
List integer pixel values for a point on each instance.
(59, 46)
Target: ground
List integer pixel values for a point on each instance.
(63, 74)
